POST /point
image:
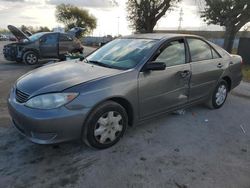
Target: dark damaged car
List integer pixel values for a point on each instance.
(43, 45)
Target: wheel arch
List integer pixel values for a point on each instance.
(121, 101)
(127, 106)
(229, 81)
(31, 50)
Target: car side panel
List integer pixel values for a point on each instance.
(235, 70)
(162, 90)
(123, 86)
(205, 75)
(232, 66)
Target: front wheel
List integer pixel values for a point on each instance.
(219, 95)
(30, 58)
(105, 126)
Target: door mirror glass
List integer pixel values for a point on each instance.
(155, 66)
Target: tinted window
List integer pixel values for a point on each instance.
(199, 50)
(49, 39)
(172, 54)
(64, 37)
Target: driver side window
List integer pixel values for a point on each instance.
(172, 54)
(49, 39)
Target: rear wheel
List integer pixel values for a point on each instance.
(30, 58)
(105, 125)
(219, 95)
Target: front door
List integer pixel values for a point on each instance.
(163, 90)
(49, 45)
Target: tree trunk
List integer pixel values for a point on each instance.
(149, 27)
(229, 39)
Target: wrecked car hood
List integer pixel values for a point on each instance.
(18, 33)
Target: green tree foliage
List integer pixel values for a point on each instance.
(72, 16)
(3, 31)
(43, 29)
(34, 29)
(144, 14)
(232, 14)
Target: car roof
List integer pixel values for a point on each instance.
(158, 36)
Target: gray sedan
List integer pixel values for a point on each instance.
(127, 81)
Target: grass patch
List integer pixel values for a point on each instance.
(246, 73)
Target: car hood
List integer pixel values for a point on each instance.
(17, 33)
(60, 76)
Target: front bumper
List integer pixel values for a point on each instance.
(10, 53)
(47, 126)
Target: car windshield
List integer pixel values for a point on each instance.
(122, 53)
(35, 36)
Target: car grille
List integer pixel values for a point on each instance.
(21, 97)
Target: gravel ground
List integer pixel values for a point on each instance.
(200, 149)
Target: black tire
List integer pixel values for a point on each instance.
(213, 103)
(19, 60)
(62, 57)
(30, 58)
(92, 125)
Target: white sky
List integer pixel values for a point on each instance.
(42, 13)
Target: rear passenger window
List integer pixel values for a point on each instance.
(172, 54)
(199, 50)
(64, 37)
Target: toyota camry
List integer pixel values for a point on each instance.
(126, 81)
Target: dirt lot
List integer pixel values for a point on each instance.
(200, 149)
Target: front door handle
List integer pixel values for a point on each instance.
(219, 65)
(185, 73)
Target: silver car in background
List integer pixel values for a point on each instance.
(127, 81)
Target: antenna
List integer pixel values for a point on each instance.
(180, 19)
(118, 26)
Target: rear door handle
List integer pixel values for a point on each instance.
(185, 73)
(219, 65)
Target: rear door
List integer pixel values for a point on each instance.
(207, 67)
(65, 43)
(49, 45)
(163, 90)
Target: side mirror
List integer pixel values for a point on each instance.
(154, 66)
(42, 40)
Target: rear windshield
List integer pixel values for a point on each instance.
(122, 53)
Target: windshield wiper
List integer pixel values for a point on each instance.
(101, 64)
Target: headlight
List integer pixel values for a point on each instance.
(50, 101)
